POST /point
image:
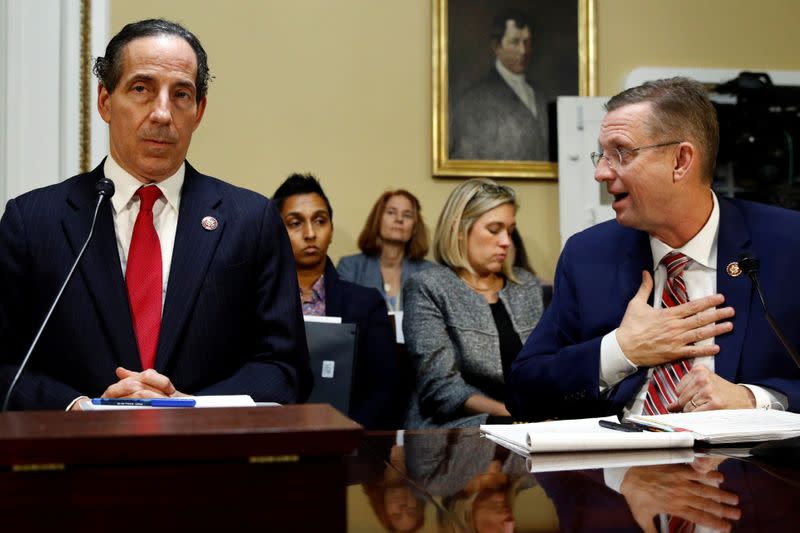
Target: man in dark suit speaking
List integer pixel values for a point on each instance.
(188, 284)
(651, 312)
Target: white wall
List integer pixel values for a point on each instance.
(40, 91)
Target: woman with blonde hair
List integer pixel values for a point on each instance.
(466, 320)
(393, 243)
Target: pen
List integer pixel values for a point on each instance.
(652, 425)
(146, 402)
(625, 426)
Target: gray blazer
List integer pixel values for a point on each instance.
(453, 342)
(366, 270)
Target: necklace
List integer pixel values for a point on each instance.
(492, 288)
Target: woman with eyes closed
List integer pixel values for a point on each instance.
(466, 320)
(393, 243)
(308, 217)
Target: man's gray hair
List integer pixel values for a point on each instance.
(682, 111)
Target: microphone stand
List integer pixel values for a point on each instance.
(786, 451)
(105, 189)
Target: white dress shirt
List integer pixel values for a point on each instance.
(520, 86)
(125, 208)
(700, 277)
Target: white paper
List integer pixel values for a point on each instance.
(398, 326)
(230, 400)
(323, 319)
(555, 462)
(583, 435)
(733, 425)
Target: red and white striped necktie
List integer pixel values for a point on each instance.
(665, 378)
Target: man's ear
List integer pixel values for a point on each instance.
(685, 160)
(104, 102)
(201, 108)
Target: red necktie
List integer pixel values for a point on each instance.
(143, 277)
(676, 524)
(665, 378)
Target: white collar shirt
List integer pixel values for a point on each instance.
(520, 86)
(125, 208)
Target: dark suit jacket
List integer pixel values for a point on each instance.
(557, 372)
(491, 122)
(231, 324)
(375, 385)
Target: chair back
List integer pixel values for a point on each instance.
(332, 350)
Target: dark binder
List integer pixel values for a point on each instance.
(332, 349)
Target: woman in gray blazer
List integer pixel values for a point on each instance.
(393, 243)
(466, 320)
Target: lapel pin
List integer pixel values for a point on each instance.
(733, 269)
(210, 224)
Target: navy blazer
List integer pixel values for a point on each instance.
(231, 324)
(375, 397)
(557, 372)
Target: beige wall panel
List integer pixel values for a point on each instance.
(343, 89)
(735, 34)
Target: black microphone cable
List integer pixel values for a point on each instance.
(749, 265)
(105, 189)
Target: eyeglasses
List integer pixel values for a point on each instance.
(622, 153)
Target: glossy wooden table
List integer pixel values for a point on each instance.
(241, 469)
(443, 481)
(250, 471)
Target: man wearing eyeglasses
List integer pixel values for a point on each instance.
(651, 312)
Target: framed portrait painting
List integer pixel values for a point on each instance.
(498, 67)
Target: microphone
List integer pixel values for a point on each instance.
(105, 189)
(786, 451)
(749, 265)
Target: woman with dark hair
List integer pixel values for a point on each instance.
(308, 217)
(393, 243)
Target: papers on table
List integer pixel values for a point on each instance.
(555, 462)
(582, 435)
(711, 427)
(732, 425)
(561, 461)
(234, 400)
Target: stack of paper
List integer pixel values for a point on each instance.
(581, 434)
(680, 430)
(560, 462)
(731, 426)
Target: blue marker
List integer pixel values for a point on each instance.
(146, 402)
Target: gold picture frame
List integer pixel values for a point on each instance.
(445, 89)
(85, 84)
